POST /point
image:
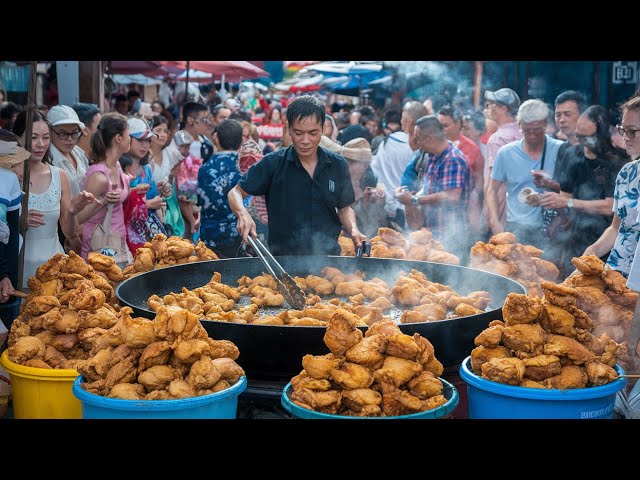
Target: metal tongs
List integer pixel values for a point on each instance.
(287, 286)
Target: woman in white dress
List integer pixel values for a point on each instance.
(49, 201)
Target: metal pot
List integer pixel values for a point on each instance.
(275, 352)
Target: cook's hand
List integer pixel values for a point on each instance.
(196, 223)
(6, 289)
(35, 219)
(246, 226)
(403, 195)
(551, 200)
(80, 201)
(155, 203)
(357, 238)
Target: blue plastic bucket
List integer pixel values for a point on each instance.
(448, 390)
(216, 405)
(489, 399)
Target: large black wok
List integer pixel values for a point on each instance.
(275, 352)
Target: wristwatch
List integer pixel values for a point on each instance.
(414, 200)
(570, 203)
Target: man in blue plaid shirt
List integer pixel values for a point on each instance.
(441, 204)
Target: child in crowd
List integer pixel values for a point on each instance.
(186, 174)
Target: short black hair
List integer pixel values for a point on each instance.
(133, 93)
(368, 178)
(241, 115)
(86, 112)
(9, 110)
(305, 106)
(478, 119)
(229, 134)
(121, 98)
(572, 95)
(392, 116)
(191, 109)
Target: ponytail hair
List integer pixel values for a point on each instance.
(111, 124)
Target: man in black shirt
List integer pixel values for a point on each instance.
(307, 189)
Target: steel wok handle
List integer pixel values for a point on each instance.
(364, 249)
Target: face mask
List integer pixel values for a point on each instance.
(591, 142)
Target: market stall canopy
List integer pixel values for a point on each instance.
(345, 68)
(228, 68)
(144, 67)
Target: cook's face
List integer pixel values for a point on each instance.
(40, 140)
(631, 120)
(305, 135)
(567, 115)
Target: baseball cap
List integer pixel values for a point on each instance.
(182, 137)
(63, 115)
(504, 96)
(139, 129)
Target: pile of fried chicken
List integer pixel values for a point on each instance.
(546, 343)
(167, 358)
(392, 244)
(369, 300)
(381, 373)
(67, 297)
(502, 255)
(162, 252)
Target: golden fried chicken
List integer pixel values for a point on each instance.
(158, 377)
(54, 357)
(426, 352)
(222, 348)
(520, 308)
(541, 367)
(465, 310)
(425, 385)
(391, 237)
(41, 304)
(531, 384)
(145, 260)
(228, 368)
(581, 280)
(351, 376)
(419, 252)
(599, 373)
(588, 264)
(402, 346)
(562, 346)
(181, 389)
(188, 351)
(397, 371)
(439, 256)
(156, 353)
(503, 238)
(591, 299)
(347, 248)
(421, 237)
(64, 342)
(615, 281)
(61, 320)
(368, 352)
(179, 248)
(504, 370)
(545, 269)
(342, 333)
(303, 380)
(362, 399)
(27, 348)
(136, 332)
(625, 300)
(204, 253)
(52, 268)
(556, 320)
(524, 337)
(102, 317)
(203, 374)
(559, 295)
(36, 363)
(379, 250)
(128, 391)
(266, 297)
(382, 303)
(87, 297)
(582, 320)
(480, 355)
(384, 327)
(122, 372)
(325, 402)
(320, 366)
(570, 376)
(490, 337)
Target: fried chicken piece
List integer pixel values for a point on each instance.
(307, 322)
(588, 264)
(481, 355)
(128, 391)
(368, 352)
(99, 262)
(189, 351)
(524, 337)
(122, 372)
(229, 369)
(464, 310)
(184, 324)
(503, 238)
(545, 269)
(531, 384)
(145, 260)
(64, 342)
(581, 280)
(615, 281)
(562, 346)
(625, 300)
(559, 295)
(204, 253)
(87, 297)
(76, 264)
(599, 373)
(362, 399)
(156, 353)
(61, 321)
(158, 377)
(421, 237)
(41, 304)
(136, 332)
(434, 366)
(222, 348)
(504, 370)
(582, 320)
(53, 287)
(520, 308)
(269, 320)
(203, 374)
(266, 297)
(391, 237)
(591, 299)
(382, 303)
(36, 363)
(397, 371)
(402, 346)
(419, 252)
(342, 333)
(541, 367)
(425, 385)
(345, 289)
(571, 376)
(97, 388)
(438, 256)
(325, 402)
(52, 268)
(181, 389)
(54, 358)
(347, 248)
(385, 327)
(557, 320)
(379, 250)
(490, 337)
(320, 366)
(352, 376)
(102, 317)
(303, 380)
(27, 348)
(179, 248)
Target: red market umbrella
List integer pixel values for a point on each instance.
(144, 67)
(222, 67)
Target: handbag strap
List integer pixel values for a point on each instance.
(106, 223)
(544, 153)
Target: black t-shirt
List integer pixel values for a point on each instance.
(302, 211)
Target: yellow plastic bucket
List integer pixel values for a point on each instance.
(40, 392)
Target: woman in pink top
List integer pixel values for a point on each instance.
(105, 178)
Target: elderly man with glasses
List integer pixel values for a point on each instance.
(513, 168)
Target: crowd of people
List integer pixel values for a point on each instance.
(560, 177)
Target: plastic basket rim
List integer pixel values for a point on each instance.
(34, 372)
(155, 405)
(447, 408)
(550, 394)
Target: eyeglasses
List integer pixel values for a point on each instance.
(630, 132)
(204, 120)
(536, 130)
(66, 135)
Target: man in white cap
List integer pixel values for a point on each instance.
(66, 130)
